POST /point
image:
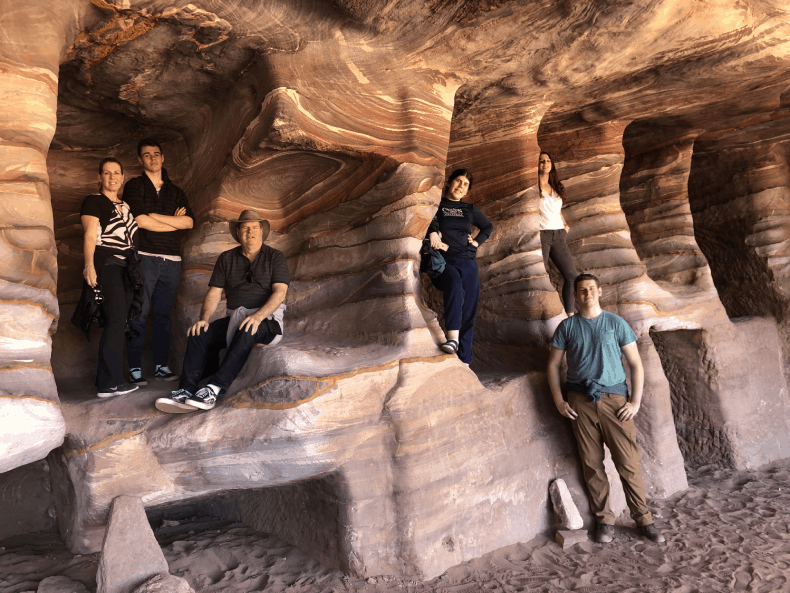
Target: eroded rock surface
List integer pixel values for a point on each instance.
(130, 554)
(338, 121)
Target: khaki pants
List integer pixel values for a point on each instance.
(598, 424)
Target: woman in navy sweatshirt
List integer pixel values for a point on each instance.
(451, 232)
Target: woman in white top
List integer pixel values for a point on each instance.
(553, 228)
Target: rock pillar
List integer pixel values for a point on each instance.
(31, 42)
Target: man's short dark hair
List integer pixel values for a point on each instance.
(147, 142)
(585, 276)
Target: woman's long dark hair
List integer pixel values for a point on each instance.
(554, 181)
(461, 173)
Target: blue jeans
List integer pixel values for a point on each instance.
(461, 292)
(162, 278)
(208, 343)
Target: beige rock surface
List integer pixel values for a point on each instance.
(567, 539)
(60, 585)
(130, 554)
(337, 121)
(564, 507)
(165, 583)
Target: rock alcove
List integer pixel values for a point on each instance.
(338, 121)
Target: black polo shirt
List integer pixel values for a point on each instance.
(142, 198)
(249, 284)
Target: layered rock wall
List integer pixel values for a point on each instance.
(338, 121)
(34, 38)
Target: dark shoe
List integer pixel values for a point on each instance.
(450, 346)
(652, 533)
(604, 533)
(117, 390)
(164, 374)
(203, 399)
(136, 378)
(176, 403)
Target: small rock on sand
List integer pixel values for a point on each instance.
(165, 583)
(566, 510)
(568, 538)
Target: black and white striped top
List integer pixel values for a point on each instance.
(117, 233)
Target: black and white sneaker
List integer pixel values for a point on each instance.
(136, 378)
(117, 390)
(163, 374)
(175, 404)
(203, 399)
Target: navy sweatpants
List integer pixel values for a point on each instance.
(461, 291)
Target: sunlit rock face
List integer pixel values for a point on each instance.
(338, 121)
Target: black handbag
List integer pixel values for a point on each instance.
(431, 260)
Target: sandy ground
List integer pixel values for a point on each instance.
(730, 531)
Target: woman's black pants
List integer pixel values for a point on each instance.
(117, 300)
(553, 245)
(461, 292)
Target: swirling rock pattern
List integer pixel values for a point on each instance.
(31, 422)
(337, 121)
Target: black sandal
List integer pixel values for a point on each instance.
(450, 346)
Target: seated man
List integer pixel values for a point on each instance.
(255, 280)
(599, 403)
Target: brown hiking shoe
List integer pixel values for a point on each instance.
(652, 533)
(604, 533)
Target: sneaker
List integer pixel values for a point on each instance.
(176, 403)
(164, 374)
(652, 533)
(136, 378)
(117, 390)
(203, 399)
(604, 533)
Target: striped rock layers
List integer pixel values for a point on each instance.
(355, 437)
(31, 423)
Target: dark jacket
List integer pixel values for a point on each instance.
(134, 280)
(454, 220)
(89, 310)
(142, 198)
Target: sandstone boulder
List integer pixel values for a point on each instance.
(130, 554)
(61, 585)
(564, 507)
(668, 125)
(165, 583)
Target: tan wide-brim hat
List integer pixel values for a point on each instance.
(249, 216)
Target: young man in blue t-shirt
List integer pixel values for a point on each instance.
(599, 404)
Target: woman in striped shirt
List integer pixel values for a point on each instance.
(110, 240)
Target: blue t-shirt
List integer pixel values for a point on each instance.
(593, 348)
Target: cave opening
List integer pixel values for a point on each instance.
(739, 193)
(697, 417)
(654, 198)
(306, 514)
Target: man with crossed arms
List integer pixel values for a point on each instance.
(599, 403)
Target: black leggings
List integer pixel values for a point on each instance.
(553, 245)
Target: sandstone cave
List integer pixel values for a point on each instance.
(356, 439)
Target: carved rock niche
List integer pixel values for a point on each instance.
(356, 438)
